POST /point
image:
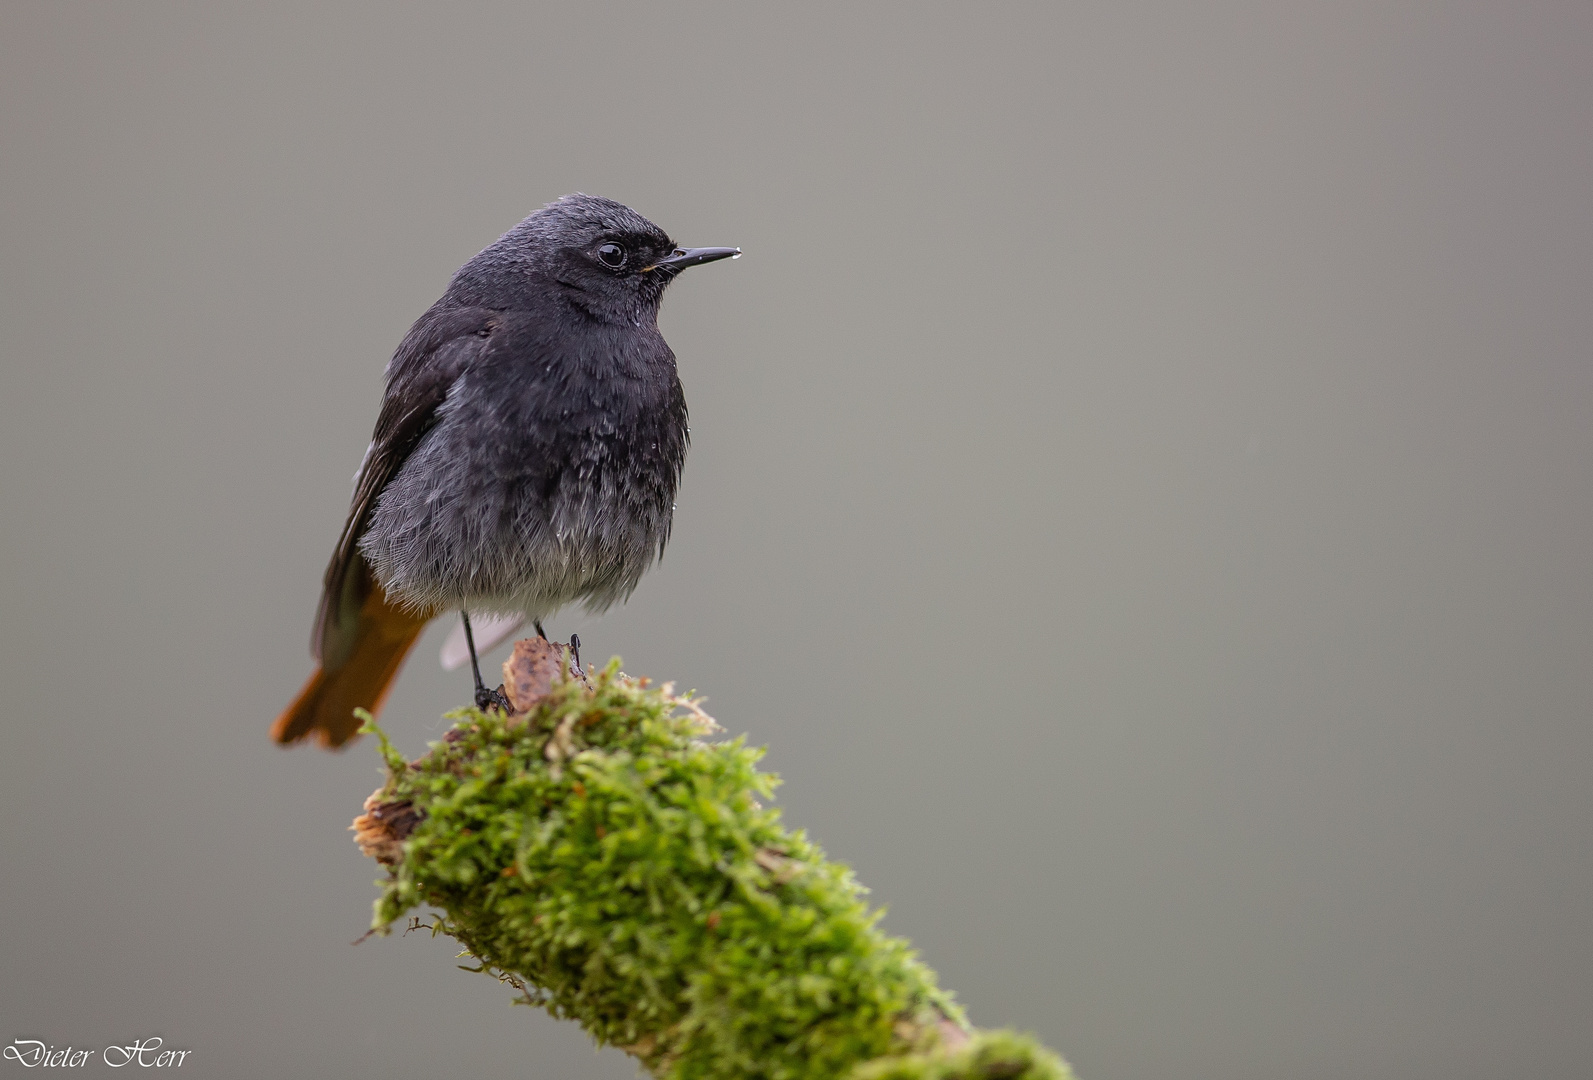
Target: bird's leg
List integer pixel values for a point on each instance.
(484, 697)
(575, 650)
(541, 633)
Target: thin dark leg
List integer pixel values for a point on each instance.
(575, 650)
(541, 633)
(484, 697)
(470, 642)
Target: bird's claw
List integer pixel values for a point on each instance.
(495, 699)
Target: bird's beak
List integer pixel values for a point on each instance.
(684, 257)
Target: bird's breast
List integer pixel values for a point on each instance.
(525, 502)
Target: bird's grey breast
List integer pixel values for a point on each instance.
(548, 476)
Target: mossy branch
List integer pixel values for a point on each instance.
(595, 851)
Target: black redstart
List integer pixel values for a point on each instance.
(526, 455)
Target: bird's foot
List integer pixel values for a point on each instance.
(494, 699)
(575, 652)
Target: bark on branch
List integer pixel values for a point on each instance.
(594, 850)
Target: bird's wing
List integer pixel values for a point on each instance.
(490, 631)
(435, 353)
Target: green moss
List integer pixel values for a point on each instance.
(989, 1055)
(623, 873)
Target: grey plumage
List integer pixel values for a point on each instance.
(554, 488)
(532, 434)
(526, 455)
(549, 473)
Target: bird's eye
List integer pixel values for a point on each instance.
(612, 255)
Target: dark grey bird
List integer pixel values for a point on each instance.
(526, 455)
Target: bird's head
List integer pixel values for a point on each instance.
(600, 256)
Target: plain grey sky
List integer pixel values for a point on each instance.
(1139, 493)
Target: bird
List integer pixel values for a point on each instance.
(526, 455)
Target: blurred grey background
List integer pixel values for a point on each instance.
(1139, 493)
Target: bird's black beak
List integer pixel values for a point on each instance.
(684, 257)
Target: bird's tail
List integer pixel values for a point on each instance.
(326, 705)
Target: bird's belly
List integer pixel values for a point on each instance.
(443, 539)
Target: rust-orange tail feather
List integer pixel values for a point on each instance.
(326, 704)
